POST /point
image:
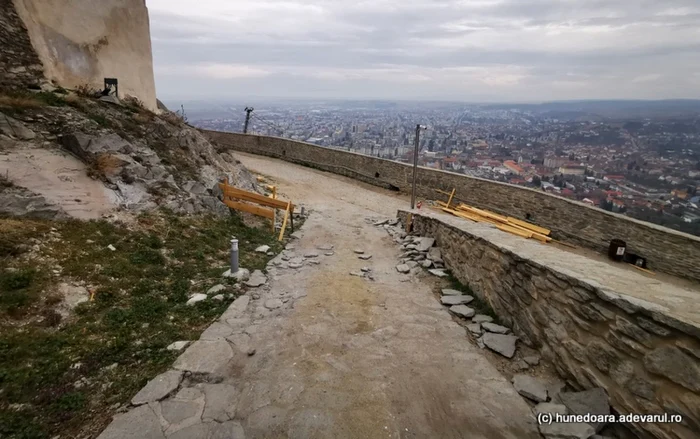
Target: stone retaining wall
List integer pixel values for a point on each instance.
(648, 362)
(666, 250)
(19, 64)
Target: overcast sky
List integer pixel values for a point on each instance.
(471, 50)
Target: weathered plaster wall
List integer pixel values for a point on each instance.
(647, 359)
(80, 42)
(667, 250)
(19, 65)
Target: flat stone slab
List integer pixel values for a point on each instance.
(325, 247)
(435, 254)
(158, 388)
(141, 423)
(358, 251)
(589, 401)
(311, 254)
(256, 279)
(365, 257)
(548, 407)
(530, 387)
(456, 300)
(220, 401)
(474, 328)
(403, 268)
(482, 318)
(449, 292)
(424, 244)
(178, 345)
(496, 329)
(205, 357)
(426, 263)
(273, 303)
(566, 431)
(502, 344)
(196, 298)
(241, 275)
(462, 310)
(438, 273)
(263, 249)
(216, 289)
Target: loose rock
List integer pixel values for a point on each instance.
(424, 244)
(589, 401)
(403, 268)
(256, 279)
(241, 275)
(482, 318)
(474, 328)
(496, 329)
(462, 310)
(311, 254)
(358, 251)
(215, 289)
(566, 431)
(195, 298)
(530, 387)
(456, 300)
(449, 292)
(178, 346)
(502, 344)
(263, 249)
(365, 257)
(438, 273)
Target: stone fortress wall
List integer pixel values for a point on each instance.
(666, 250)
(645, 355)
(76, 43)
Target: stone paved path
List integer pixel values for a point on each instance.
(333, 355)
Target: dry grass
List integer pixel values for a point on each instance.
(20, 102)
(108, 164)
(143, 117)
(172, 118)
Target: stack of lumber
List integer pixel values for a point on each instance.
(505, 223)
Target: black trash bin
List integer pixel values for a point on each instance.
(617, 250)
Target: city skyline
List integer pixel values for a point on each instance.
(481, 51)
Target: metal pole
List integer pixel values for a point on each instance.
(248, 110)
(415, 167)
(234, 256)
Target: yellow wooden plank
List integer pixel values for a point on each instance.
(232, 192)
(286, 218)
(534, 228)
(255, 210)
(514, 231)
(452, 195)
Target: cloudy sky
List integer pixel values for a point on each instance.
(468, 50)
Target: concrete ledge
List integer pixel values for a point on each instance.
(600, 325)
(666, 250)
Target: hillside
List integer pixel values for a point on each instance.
(51, 142)
(99, 206)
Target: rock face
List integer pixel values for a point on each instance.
(19, 202)
(13, 128)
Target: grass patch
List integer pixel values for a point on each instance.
(56, 380)
(481, 306)
(101, 120)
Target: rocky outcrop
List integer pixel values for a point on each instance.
(21, 203)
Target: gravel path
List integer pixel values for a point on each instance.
(319, 353)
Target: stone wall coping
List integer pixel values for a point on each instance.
(672, 305)
(508, 185)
